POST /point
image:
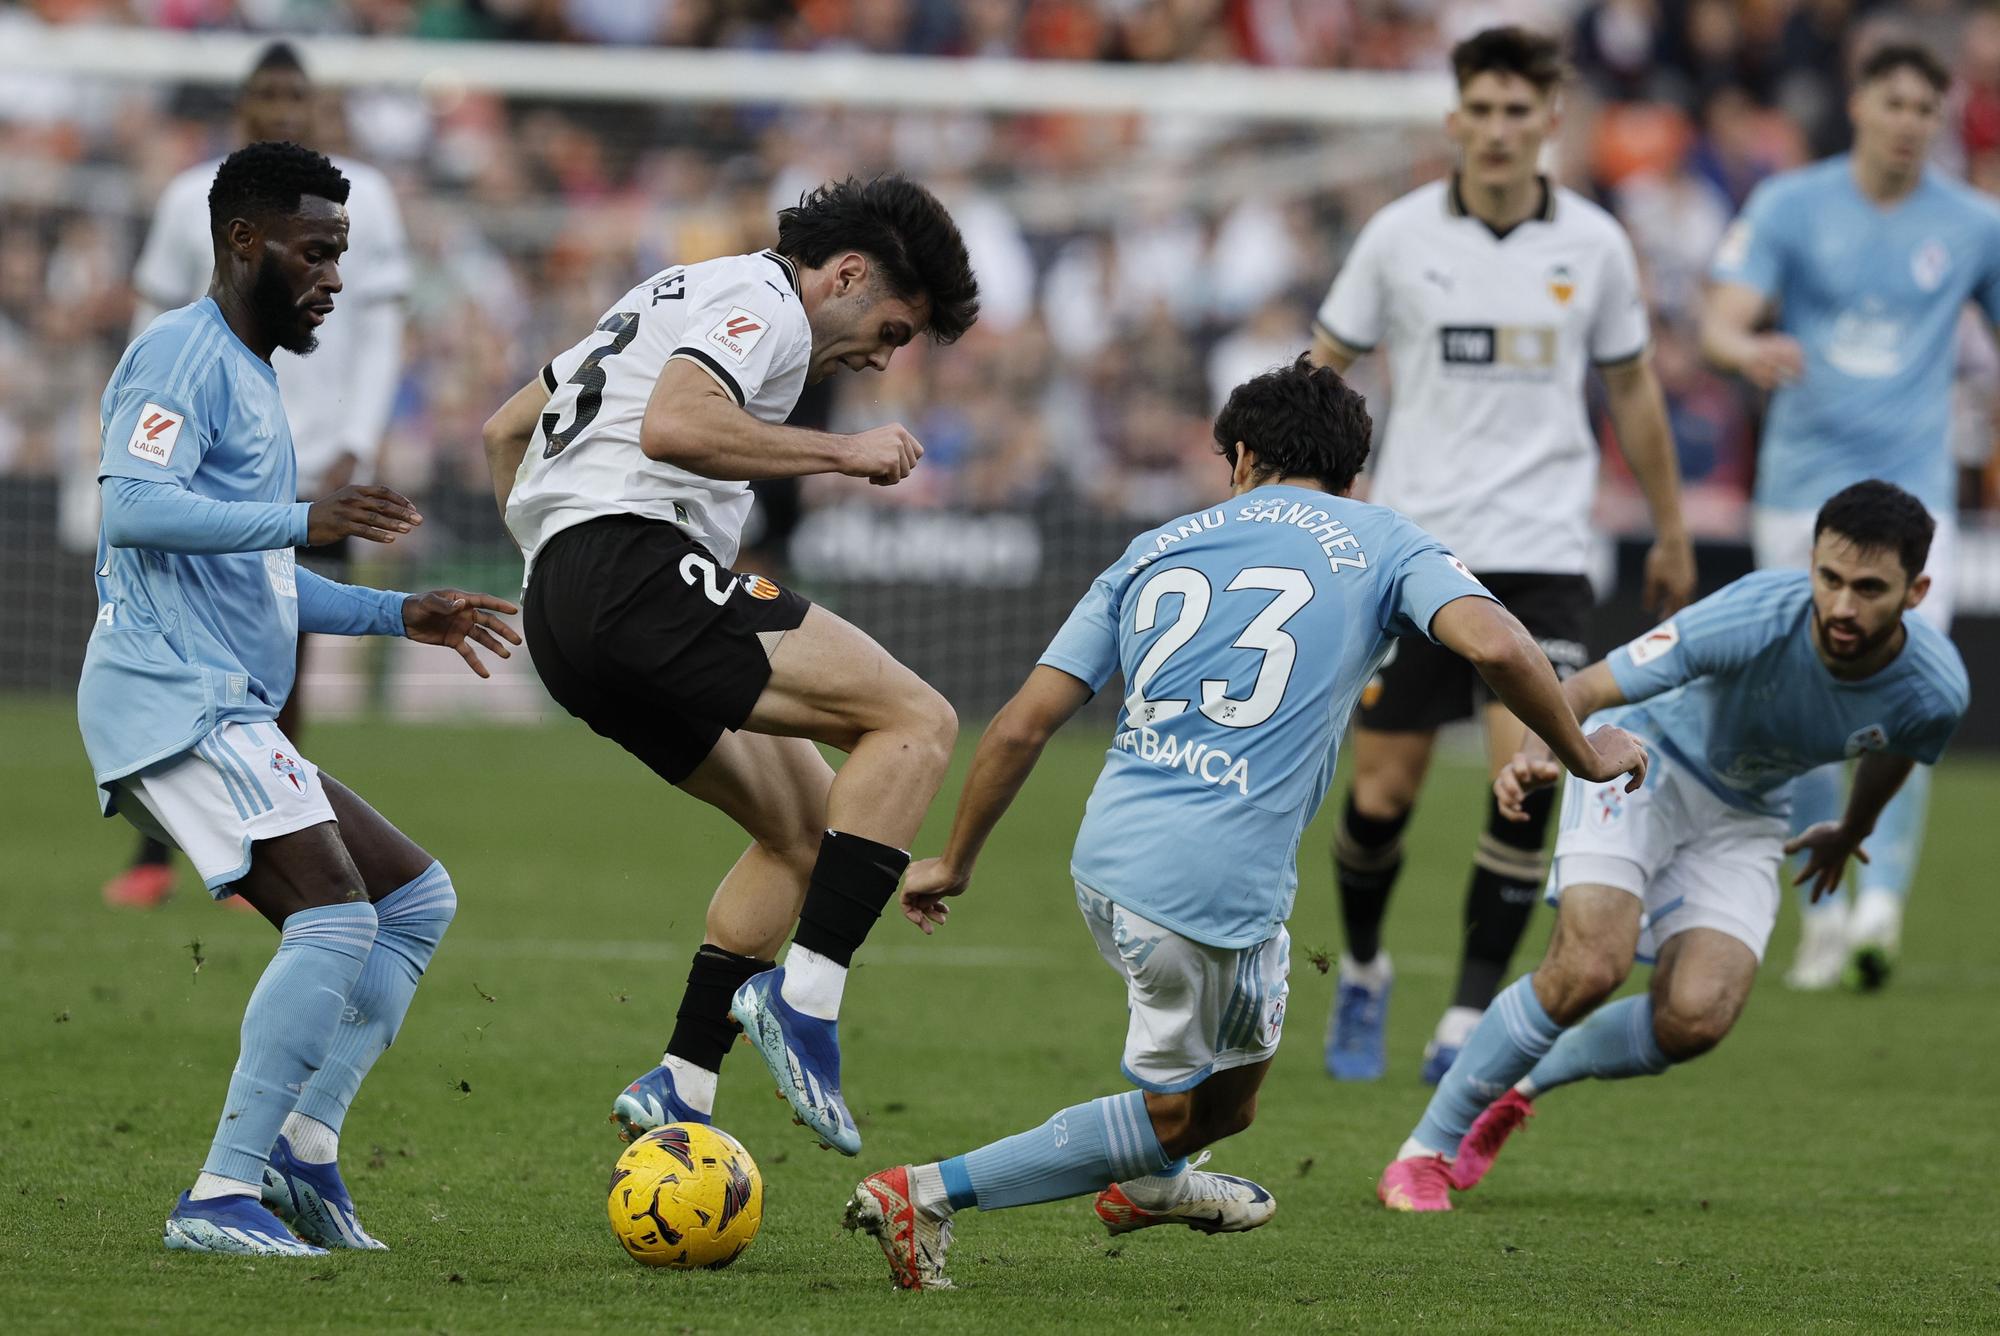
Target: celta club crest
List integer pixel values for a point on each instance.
(1929, 263)
(1872, 738)
(1562, 284)
(1608, 804)
(288, 770)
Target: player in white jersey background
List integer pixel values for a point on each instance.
(1494, 293)
(623, 471)
(338, 404)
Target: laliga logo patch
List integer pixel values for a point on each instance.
(1654, 643)
(154, 434)
(1461, 568)
(289, 770)
(737, 333)
(1872, 738)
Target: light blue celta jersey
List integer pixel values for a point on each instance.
(1244, 634)
(186, 642)
(1872, 295)
(1733, 690)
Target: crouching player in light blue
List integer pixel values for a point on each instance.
(199, 610)
(1753, 686)
(1244, 633)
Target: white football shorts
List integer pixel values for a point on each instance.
(240, 784)
(1194, 1009)
(1783, 539)
(1692, 859)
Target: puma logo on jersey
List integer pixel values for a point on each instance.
(738, 333)
(154, 434)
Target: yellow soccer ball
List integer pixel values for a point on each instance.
(686, 1195)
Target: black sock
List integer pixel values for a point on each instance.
(1367, 855)
(852, 880)
(1508, 873)
(703, 1028)
(150, 851)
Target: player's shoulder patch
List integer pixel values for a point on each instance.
(154, 434)
(1872, 738)
(738, 333)
(1654, 643)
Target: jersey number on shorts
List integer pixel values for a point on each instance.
(1265, 633)
(623, 326)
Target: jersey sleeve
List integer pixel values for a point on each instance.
(1356, 309)
(1619, 328)
(1723, 631)
(1424, 579)
(1752, 251)
(743, 332)
(1087, 645)
(153, 434)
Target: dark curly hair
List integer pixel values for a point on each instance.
(262, 180)
(1303, 421)
(1533, 56)
(1879, 516)
(903, 229)
(1889, 57)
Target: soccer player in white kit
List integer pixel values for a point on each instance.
(623, 471)
(338, 404)
(1495, 291)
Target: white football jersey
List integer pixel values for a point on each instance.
(1488, 444)
(740, 319)
(318, 390)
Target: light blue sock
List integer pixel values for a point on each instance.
(1898, 837)
(1512, 1036)
(412, 921)
(287, 1028)
(1615, 1041)
(1085, 1148)
(1816, 798)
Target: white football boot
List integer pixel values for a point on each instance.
(1822, 953)
(1210, 1203)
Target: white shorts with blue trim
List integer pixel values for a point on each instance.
(1195, 1009)
(240, 784)
(1695, 861)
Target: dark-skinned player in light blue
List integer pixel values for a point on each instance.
(200, 606)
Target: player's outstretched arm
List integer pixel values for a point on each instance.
(1730, 316)
(1639, 411)
(1507, 658)
(693, 423)
(1535, 766)
(1831, 843)
(507, 434)
(1007, 752)
(165, 516)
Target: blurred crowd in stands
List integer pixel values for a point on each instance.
(1122, 299)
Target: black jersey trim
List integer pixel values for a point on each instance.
(549, 376)
(1321, 327)
(1613, 363)
(714, 369)
(791, 271)
(1545, 211)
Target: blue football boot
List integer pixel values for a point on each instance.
(803, 1053)
(650, 1102)
(313, 1200)
(1355, 1044)
(238, 1225)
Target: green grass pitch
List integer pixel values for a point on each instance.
(1826, 1169)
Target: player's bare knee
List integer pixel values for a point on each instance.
(930, 729)
(1687, 1031)
(1572, 984)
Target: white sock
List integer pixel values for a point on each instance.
(1525, 1088)
(1456, 1026)
(312, 1140)
(813, 984)
(1414, 1149)
(209, 1186)
(927, 1192)
(1374, 976)
(695, 1085)
(1156, 1192)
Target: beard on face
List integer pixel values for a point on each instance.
(1862, 648)
(278, 312)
